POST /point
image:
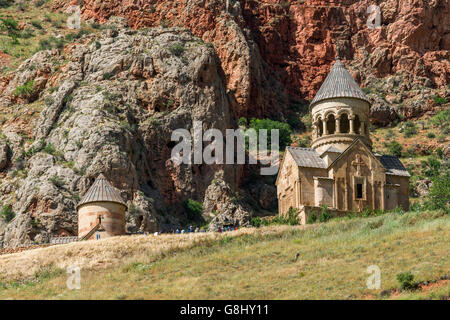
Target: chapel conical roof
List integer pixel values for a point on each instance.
(339, 84)
(101, 191)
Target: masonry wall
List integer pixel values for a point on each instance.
(113, 218)
(403, 190)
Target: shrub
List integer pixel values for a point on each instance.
(406, 280)
(193, 208)
(438, 196)
(5, 3)
(293, 119)
(395, 148)
(292, 217)
(268, 124)
(390, 134)
(430, 166)
(312, 219)
(7, 213)
(410, 129)
(11, 26)
(256, 222)
(177, 49)
(39, 3)
(242, 122)
(49, 148)
(57, 181)
(439, 100)
(431, 135)
(24, 89)
(325, 214)
(441, 119)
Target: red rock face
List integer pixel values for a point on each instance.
(277, 52)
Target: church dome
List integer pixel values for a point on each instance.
(339, 84)
(101, 191)
(340, 112)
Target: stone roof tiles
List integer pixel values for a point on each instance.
(101, 191)
(393, 166)
(308, 158)
(339, 84)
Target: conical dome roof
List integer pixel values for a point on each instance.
(339, 84)
(101, 191)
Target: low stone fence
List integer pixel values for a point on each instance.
(63, 240)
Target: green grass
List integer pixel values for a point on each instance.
(332, 263)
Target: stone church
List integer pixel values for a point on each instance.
(340, 170)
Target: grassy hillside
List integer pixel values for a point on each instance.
(246, 264)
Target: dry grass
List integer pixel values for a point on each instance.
(105, 253)
(246, 264)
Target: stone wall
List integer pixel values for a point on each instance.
(113, 218)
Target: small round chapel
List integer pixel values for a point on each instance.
(101, 211)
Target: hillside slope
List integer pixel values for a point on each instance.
(246, 264)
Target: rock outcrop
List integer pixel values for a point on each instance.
(112, 108)
(276, 53)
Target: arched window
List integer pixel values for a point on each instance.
(357, 125)
(319, 127)
(331, 124)
(344, 124)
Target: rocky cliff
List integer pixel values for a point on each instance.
(109, 104)
(275, 53)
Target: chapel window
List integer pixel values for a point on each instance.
(359, 191)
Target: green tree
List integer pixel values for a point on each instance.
(268, 124)
(438, 195)
(395, 148)
(193, 208)
(441, 119)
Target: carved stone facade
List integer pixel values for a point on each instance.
(340, 171)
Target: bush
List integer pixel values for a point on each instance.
(193, 208)
(5, 3)
(406, 280)
(438, 196)
(431, 166)
(57, 181)
(312, 219)
(325, 214)
(49, 148)
(177, 49)
(11, 26)
(395, 148)
(256, 222)
(7, 213)
(431, 135)
(268, 124)
(410, 129)
(439, 100)
(292, 218)
(25, 89)
(441, 119)
(242, 122)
